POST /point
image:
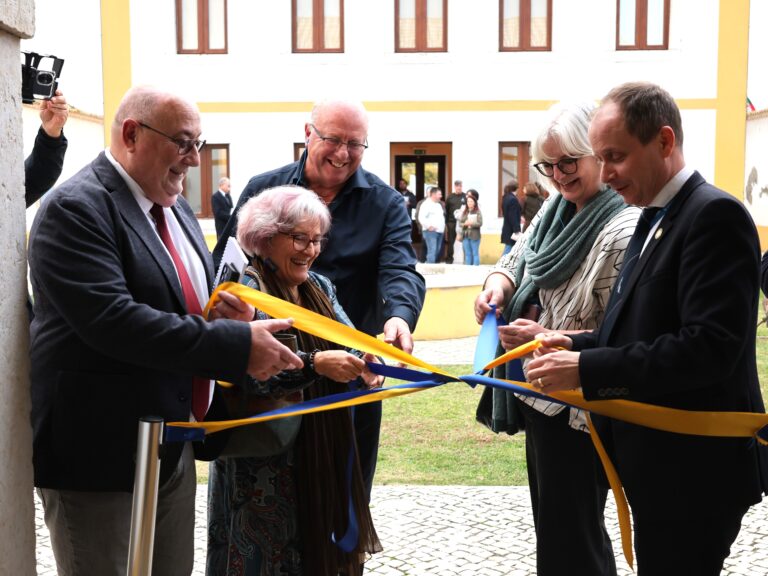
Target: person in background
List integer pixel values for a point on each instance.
(510, 209)
(120, 274)
(221, 203)
(455, 202)
(408, 196)
(558, 277)
(532, 203)
(471, 221)
(679, 332)
(44, 164)
(432, 220)
(369, 256)
(278, 513)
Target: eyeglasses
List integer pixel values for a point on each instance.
(301, 241)
(565, 165)
(185, 146)
(354, 148)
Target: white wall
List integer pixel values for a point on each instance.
(756, 158)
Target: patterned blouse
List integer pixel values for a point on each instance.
(579, 303)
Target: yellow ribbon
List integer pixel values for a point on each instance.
(725, 424)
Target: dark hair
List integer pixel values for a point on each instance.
(646, 108)
(510, 187)
(474, 193)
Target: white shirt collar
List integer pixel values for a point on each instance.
(141, 199)
(672, 187)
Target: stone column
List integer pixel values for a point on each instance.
(17, 520)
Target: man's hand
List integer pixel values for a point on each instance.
(54, 114)
(268, 356)
(553, 368)
(231, 307)
(397, 333)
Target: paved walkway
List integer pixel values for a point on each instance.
(463, 531)
(459, 530)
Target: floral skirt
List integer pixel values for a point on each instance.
(252, 518)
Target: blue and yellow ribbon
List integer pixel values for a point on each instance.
(724, 424)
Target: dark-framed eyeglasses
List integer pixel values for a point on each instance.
(354, 148)
(301, 241)
(566, 165)
(185, 146)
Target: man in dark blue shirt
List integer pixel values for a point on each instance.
(369, 256)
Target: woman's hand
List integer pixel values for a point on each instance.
(519, 332)
(231, 307)
(371, 380)
(338, 365)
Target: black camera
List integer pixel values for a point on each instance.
(36, 82)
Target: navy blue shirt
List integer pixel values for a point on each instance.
(369, 255)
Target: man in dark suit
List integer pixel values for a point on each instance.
(679, 331)
(221, 203)
(120, 272)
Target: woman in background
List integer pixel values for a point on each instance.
(471, 220)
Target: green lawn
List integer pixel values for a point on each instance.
(431, 437)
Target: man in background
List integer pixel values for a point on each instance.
(455, 201)
(221, 203)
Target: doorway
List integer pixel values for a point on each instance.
(421, 165)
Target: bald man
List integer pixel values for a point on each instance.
(120, 272)
(369, 256)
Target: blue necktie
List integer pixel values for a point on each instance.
(636, 243)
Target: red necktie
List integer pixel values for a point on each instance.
(200, 386)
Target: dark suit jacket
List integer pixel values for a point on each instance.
(110, 341)
(222, 209)
(510, 209)
(683, 336)
(43, 165)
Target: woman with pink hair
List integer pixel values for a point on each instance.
(284, 512)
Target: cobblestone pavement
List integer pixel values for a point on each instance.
(462, 531)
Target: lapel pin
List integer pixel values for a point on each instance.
(658, 234)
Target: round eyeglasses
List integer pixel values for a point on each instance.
(185, 146)
(566, 165)
(301, 241)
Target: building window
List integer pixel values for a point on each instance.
(318, 25)
(514, 158)
(421, 25)
(525, 25)
(642, 24)
(201, 26)
(203, 180)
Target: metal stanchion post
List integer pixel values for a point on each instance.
(145, 487)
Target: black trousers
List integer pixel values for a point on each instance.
(367, 430)
(450, 238)
(567, 496)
